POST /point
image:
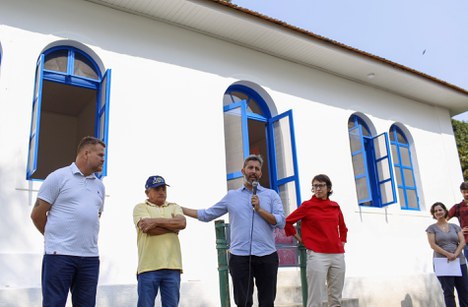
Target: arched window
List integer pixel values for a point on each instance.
(404, 170)
(250, 128)
(373, 173)
(71, 100)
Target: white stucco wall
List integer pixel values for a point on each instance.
(166, 118)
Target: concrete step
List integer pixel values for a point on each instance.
(289, 292)
(287, 295)
(348, 302)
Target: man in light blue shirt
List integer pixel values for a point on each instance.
(254, 213)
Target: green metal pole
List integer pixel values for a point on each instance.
(223, 271)
(303, 264)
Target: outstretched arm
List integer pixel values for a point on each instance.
(190, 212)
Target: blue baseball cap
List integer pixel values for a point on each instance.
(154, 182)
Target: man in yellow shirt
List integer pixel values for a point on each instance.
(159, 256)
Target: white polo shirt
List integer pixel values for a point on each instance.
(72, 226)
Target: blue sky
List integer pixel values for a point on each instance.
(430, 36)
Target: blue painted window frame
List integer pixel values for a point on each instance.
(266, 117)
(364, 175)
(102, 116)
(35, 119)
(287, 250)
(402, 184)
(242, 106)
(278, 182)
(102, 85)
(375, 158)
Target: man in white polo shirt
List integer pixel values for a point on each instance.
(67, 210)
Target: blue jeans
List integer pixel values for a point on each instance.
(465, 251)
(448, 283)
(150, 282)
(61, 274)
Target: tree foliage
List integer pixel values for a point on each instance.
(460, 130)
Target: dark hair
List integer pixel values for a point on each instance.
(89, 140)
(464, 186)
(440, 205)
(257, 158)
(326, 179)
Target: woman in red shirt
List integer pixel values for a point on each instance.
(324, 234)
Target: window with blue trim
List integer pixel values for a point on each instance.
(250, 128)
(71, 100)
(404, 170)
(372, 165)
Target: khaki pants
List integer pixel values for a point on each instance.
(325, 271)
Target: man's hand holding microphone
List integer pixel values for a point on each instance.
(255, 201)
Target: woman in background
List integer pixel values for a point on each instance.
(447, 241)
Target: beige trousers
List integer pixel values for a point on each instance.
(325, 277)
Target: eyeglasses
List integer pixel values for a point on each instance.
(318, 186)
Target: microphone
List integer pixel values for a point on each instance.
(254, 187)
(254, 190)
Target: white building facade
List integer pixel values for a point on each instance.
(185, 90)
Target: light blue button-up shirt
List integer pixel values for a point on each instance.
(238, 204)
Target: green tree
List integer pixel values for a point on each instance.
(460, 129)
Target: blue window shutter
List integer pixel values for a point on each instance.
(361, 170)
(35, 119)
(239, 109)
(383, 165)
(102, 114)
(284, 145)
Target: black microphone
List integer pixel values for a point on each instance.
(254, 187)
(254, 190)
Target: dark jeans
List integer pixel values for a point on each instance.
(61, 274)
(448, 283)
(263, 269)
(166, 280)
